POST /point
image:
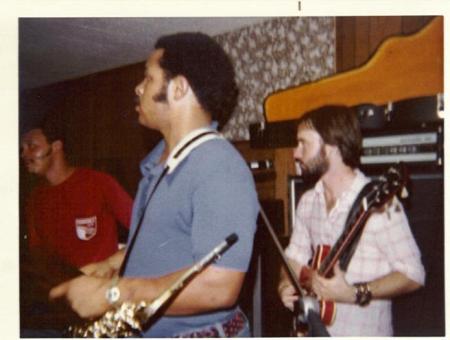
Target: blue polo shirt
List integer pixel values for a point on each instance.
(208, 196)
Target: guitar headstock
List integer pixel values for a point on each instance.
(388, 185)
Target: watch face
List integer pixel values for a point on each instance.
(113, 294)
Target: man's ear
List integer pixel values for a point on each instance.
(178, 87)
(331, 150)
(57, 145)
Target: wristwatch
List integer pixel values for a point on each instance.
(112, 294)
(363, 293)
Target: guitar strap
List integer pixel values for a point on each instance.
(353, 215)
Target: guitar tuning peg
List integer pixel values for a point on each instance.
(404, 194)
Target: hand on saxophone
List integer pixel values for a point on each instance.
(85, 295)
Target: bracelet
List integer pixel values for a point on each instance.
(363, 293)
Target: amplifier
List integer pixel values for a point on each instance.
(423, 145)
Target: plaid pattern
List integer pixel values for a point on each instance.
(229, 329)
(386, 245)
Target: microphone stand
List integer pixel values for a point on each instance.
(306, 308)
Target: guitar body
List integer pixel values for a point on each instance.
(327, 308)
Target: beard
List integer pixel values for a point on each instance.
(316, 167)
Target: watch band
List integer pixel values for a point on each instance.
(112, 294)
(363, 293)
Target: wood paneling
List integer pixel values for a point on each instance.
(345, 44)
(382, 27)
(361, 41)
(412, 24)
(357, 38)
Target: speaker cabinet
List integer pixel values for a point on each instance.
(422, 313)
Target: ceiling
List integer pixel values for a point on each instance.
(57, 49)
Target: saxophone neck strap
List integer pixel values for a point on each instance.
(178, 154)
(187, 144)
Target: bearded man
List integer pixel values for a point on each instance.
(386, 262)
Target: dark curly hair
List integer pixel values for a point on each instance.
(338, 126)
(52, 128)
(207, 68)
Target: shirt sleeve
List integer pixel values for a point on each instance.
(118, 201)
(299, 248)
(395, 239)
(224, 203)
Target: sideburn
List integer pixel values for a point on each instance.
(161, 96)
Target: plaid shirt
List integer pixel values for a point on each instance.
(386, 245)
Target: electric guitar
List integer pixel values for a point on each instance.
(372, 197)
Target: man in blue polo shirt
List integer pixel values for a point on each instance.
(195, 191)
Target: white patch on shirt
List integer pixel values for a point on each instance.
(86, 227)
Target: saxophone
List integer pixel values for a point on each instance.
(128, 319)
(123, 321)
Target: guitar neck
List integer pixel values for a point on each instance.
(344, 242)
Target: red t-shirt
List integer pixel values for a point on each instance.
(77, 218)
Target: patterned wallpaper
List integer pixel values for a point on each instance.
(273, 55)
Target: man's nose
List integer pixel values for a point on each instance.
(297, 153)
(138, 89)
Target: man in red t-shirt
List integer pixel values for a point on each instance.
(75, 213)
